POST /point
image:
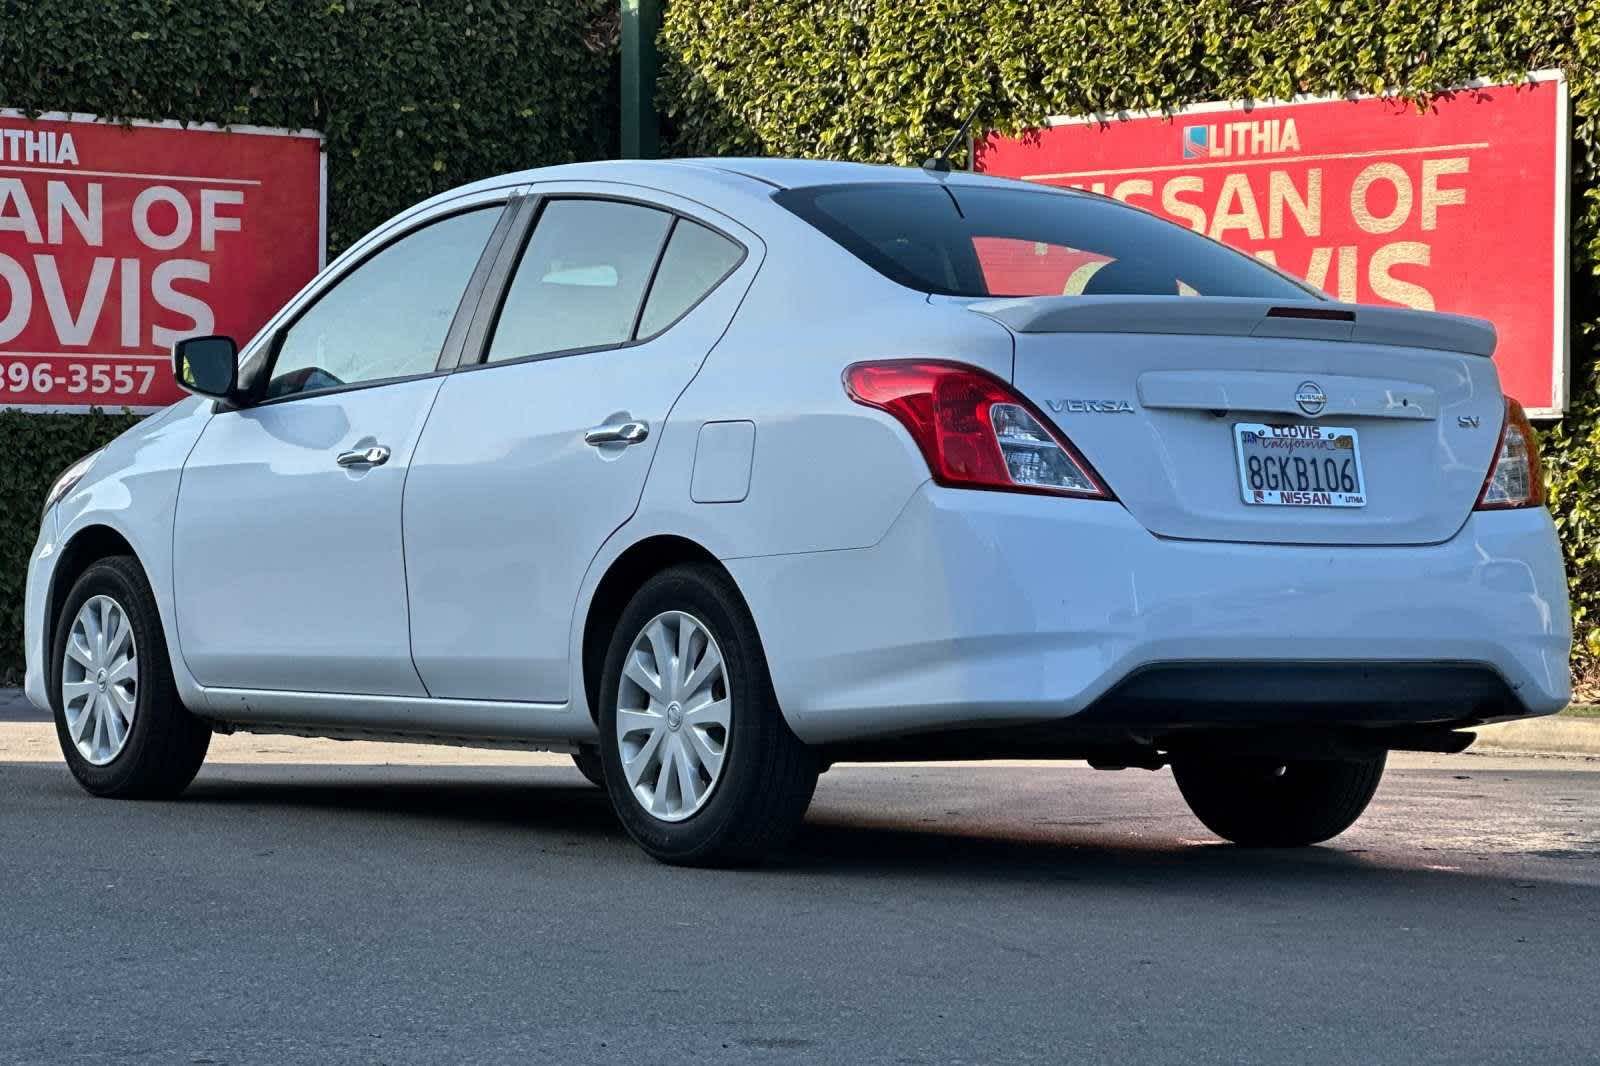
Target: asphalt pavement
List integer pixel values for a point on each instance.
(14, 706)
(428, 912)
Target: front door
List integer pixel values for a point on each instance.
(289, 569)
(538, 453)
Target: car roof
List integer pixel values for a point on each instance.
(751, 175)
(799, 173)
(740, 188)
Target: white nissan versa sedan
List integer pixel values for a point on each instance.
(715, 472)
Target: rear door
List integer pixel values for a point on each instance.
(538, 446)
(289, 572)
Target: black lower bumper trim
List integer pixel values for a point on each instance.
(1178, 696)
(1298, 709)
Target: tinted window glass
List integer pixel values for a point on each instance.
(389, 316)
(696, 259)
(965, 240)
(581, 278)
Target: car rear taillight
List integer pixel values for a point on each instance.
(1515, 479)
(974, 431)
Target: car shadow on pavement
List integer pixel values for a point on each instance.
(1068, 854)
(537, 807)
(512, 798)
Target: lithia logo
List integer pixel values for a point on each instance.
(37, 146)
(1267, 137)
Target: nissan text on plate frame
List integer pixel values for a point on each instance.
(714, 473)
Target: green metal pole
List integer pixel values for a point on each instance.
(641, 22)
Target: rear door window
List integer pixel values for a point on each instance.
(581, 278)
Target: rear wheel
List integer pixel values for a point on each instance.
(701, 767)
(1267, 803)
(121, 726)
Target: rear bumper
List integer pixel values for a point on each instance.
(979, 610)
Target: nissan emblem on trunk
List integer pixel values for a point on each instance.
(1310, 397)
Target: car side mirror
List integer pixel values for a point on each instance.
(207, 366)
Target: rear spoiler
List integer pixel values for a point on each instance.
(1229, 316)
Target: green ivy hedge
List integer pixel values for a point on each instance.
(890, 80)
(415, 96)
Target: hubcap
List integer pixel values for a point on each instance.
(673, 712)
(100, 680)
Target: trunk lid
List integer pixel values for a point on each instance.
(1150, 390)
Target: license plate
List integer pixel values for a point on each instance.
(1299, 466)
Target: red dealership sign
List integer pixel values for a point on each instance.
(116, 240)
(1462, 207)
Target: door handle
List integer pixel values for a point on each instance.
(376, 455)
(619, 433)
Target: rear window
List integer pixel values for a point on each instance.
(966, 240)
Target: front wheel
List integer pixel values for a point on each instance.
(122, 728)
(701, 767)
(1269, 803)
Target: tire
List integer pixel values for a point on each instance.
(587, 760)
(161, 749)
(1265, 803)
(764, 777)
